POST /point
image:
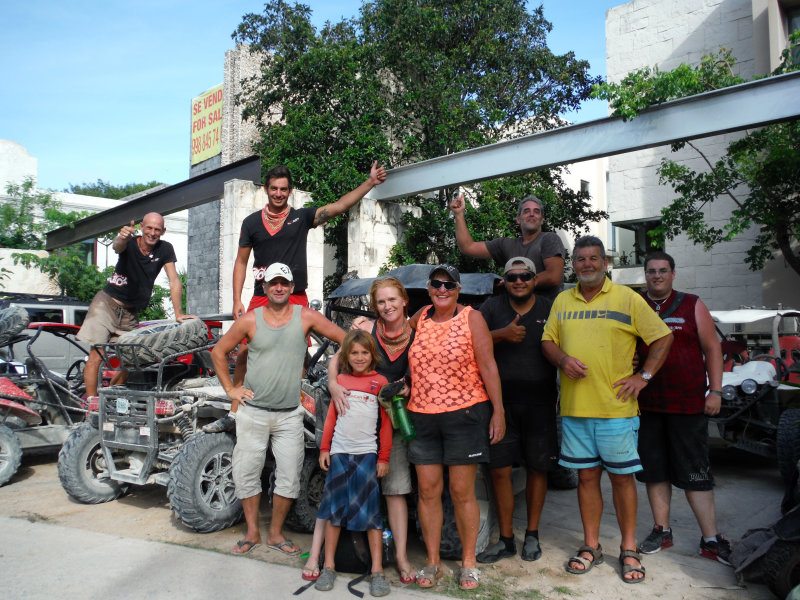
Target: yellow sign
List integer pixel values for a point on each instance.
(206, 125)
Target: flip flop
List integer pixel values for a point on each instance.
(244, 547)
(281, 547)
(310, 574)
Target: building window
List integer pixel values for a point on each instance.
(792, 25)
(584, 186)
(632, 240)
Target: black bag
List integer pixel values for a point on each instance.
(352, 553)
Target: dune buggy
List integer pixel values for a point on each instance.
(39, 407)
(760, 410)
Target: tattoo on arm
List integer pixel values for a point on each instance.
(322, 216)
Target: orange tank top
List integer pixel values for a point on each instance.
(444, 372)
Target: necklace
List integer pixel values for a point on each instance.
(658, 303)
(145, 252)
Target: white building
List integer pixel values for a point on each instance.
(665, 34)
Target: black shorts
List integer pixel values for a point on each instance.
(458, 437)
(674, 448)
(531, 438)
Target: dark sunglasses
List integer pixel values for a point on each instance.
(512, 277)
(448, 285)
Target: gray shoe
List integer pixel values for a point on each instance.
(495, 552)
(226, 423)
(378, 585)
(531, 550)
(326, 580)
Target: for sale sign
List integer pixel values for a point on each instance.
(206, 125)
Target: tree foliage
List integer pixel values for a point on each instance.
(403, 82)
(759, 173)
(104, 189)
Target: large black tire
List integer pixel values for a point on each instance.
(156, 341)
(303, 514)
(200, 488)
(12, 320)
(10, 454)
(82, 468)
(788, 442)
(562, 478)
(781, 566)
(450, 546)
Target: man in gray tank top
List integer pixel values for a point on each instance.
(270, 402)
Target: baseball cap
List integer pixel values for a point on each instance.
(448, 270)
(514, 263)
(278, 270)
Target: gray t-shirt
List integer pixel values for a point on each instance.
(547, 245)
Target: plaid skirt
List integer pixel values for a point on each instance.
(351, 498)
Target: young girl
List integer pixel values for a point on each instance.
(355, 459)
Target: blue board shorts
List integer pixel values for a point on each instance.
(612, 443)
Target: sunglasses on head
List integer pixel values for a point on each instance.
(448, 285)
(512, 277)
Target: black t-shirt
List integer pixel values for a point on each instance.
(525, 374)
(135, 273)
(546, 245)
(288, 246)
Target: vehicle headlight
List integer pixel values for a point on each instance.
(749, 386)
(728, 392)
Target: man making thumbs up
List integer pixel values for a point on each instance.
(516, 321)
(113, 309)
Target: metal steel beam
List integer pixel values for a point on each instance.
(752, 104)
(186, 194)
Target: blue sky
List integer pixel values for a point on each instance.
(101, 89)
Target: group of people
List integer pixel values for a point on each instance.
(636, 375)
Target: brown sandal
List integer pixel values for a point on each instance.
(627, 569)
(588, 565)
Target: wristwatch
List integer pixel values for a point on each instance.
(646, 375)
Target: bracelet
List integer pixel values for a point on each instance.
(717, 392)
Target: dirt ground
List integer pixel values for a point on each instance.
(748, 496)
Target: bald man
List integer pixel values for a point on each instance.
(114, 308)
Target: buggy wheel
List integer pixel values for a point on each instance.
(12, 320)
(157, 341)
(10, 454)
(303, 515)
(562, 478)
(450, 546)
(782, 567)
(788, 442)
(82, 468)
(200, 488)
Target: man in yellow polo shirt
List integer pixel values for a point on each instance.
(591, 336)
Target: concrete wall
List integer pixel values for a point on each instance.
(665, 34)
(21, 280)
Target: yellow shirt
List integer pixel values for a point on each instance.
(602, 335)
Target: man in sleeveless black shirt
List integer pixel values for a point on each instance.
(113, 309)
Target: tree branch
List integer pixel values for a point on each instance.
(710, 166)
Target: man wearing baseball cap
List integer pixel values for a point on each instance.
(516, 321)
(269, 402)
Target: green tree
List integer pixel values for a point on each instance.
(759, 173)
(104, 189)
(403, 82)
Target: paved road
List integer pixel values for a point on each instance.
(51, 546)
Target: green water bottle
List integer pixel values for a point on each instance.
(401, 419)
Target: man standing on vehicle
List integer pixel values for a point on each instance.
(278, 233)
(270, 401)
(544, 248)
(591, 336)
(113, 309)
(530, 395)
(673, 440)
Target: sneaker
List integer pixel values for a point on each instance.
(657, 540)
(719, 550)
(226, 423)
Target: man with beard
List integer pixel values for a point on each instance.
(591, 337)
(269, 402)
(543, 248)
(516, 320)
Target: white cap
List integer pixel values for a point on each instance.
(278, 270)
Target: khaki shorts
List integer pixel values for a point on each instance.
(255, 429)
(106, 320)
(398, 481)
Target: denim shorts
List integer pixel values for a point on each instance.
(612, 443)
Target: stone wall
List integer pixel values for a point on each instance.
(666, 34)
(203, 271)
